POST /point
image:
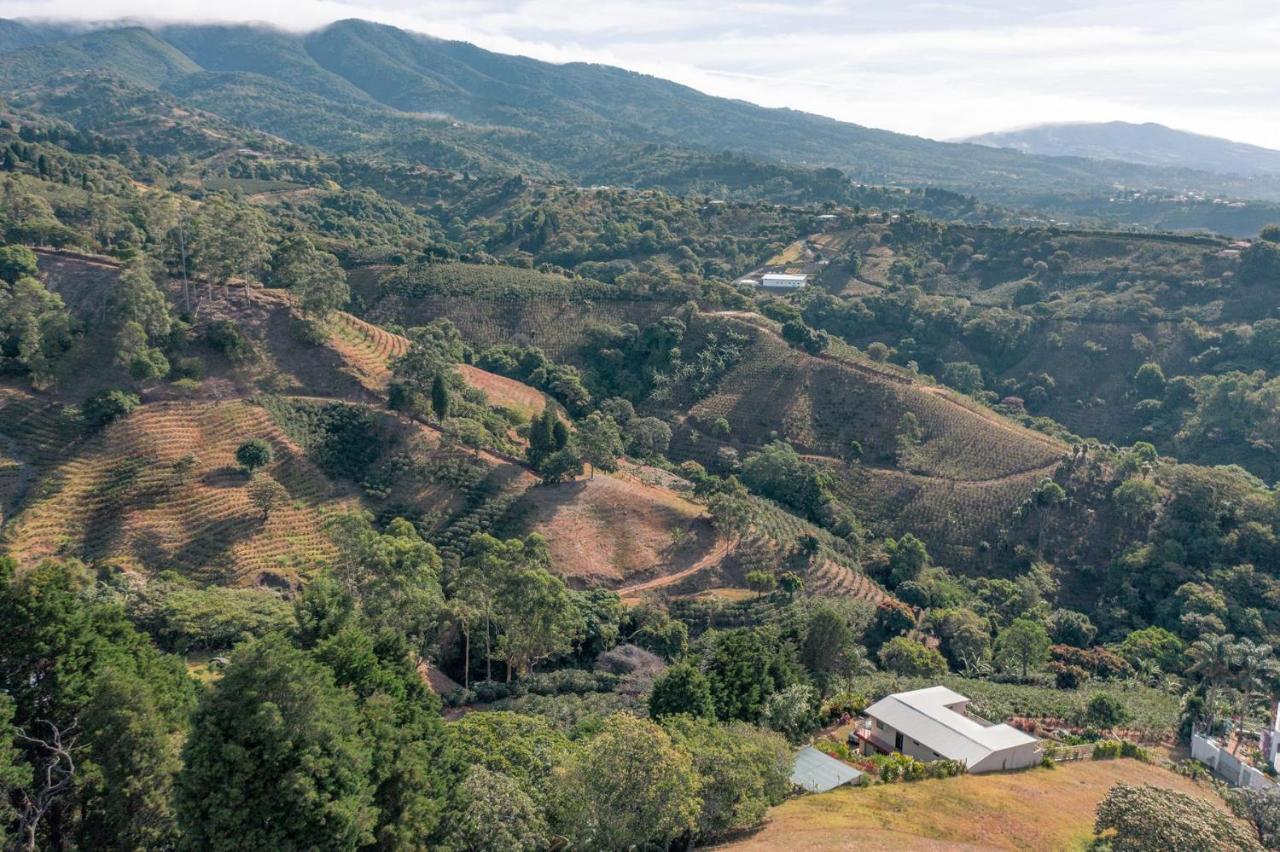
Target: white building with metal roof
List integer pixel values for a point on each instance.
(933, 723)
(783, 281)
(818, 772)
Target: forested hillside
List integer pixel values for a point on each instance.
(359, 87)
(368, 481)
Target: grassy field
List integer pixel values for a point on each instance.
(1035, 809)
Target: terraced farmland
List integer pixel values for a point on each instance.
(822, 405)
(161, 490)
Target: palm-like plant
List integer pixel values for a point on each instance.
(1257, 666)
(1213, 658)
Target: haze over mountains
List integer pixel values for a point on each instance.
(360, 87)
(1146, 144)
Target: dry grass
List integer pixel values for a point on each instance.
(1035, 809)
(613, 529)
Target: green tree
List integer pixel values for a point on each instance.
(230, 240)
(965, 635)
(96, 709)
(277, 758)
(17, 262)
(493, 811)
(1214, 660)
(743, 771)
(434, 350)
(1105, 711)
(15, 775)
(538, 616)
(905, 656)
(440, 397)
(762, 582)
(1153, 644)
(135, 298)
(253, 454)
(1257, 668)
(392, 575)
(682, 689)
(599, 442)
(1149, 381)
(907, 558)
(627, 787)
(560, 466)
(35, 328)
(745, 667)
(107, 406)
(314, 276)
(266, 494)
(525, 748)
(828, 642)
(1067, 627)
(1024, 644)
(792, 712)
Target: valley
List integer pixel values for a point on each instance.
(401, 447)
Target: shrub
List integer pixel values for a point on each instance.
(904, 656)
(225, 337)
(254, 454)
(1112, 749)
(106, 406)
(1105, 711)
(1135, 819)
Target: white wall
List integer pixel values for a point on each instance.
(1015, 757)
(1227, 766)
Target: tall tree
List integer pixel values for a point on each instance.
(628, 787)
(1213, 658)
(230, 240)
(1257, 668)
(682, 690)
(1024, 643)
(599, 442)
(277, 758)
(314, 276)
(538, 614)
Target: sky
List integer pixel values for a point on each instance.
(939, 69)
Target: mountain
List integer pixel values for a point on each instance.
(360, 87)
(1145, 144)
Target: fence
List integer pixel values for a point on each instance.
(1227, 766)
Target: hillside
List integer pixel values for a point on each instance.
(1034, 809)
(357, 86)
(159, 490)
(1146, 144)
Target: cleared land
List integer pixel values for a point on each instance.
(1036, 809)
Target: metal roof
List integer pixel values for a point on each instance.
(925, 715)
(818, 772)
(785, 276)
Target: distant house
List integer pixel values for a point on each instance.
(818, 772)
(783, 281)
(933, 723)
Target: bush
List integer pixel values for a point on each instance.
(254, 454)
(225, 337)
(904, 656)
(1105, 711)
(1112, 749)
(106, 406)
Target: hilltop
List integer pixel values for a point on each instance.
(1146, 144)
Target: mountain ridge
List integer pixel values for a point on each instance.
(357, 86)
(1146, 143)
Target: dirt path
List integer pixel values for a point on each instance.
(1046, 469)
(716, 555)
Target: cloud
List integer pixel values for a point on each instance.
(940, 69)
